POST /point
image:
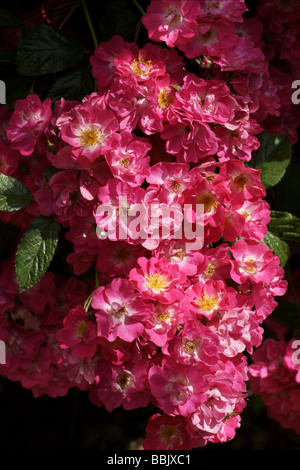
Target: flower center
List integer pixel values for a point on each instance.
(207, 302)
(157, 282)
(90, 136)
(118, 313)
(172, 16)
(165, 98)
(124, 380)
(208, 200)
(240, 181)
(210, 270)
(124, 162)
(189, 347)
(81, 328)
(250, 268)
(175, 186)
(167, 432)
(141, 67)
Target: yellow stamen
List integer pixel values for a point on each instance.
(207, 302)
(124, 162)
(165, 98)
(157, 282)
(250, 268)
(90, 136)
(210, 270)
(141, 67)
(189, 347)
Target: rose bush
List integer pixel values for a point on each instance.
(200, 113)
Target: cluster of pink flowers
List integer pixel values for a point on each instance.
(163, 325)
(275, 376)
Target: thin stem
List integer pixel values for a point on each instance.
(97, 279)
(90, 24)
(142, 11)
(137, 30)
(50, 10)
(68, 15)
(32, 86)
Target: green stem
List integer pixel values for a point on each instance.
(90, 24)
(32, 86)
(41, 15)
(142, 11)
(137, 30)
(68, 15)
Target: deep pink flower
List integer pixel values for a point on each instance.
(128, 158)
(171, 21)
(87, 129)
(28, 123)
(253, 261)
(157, 278)
(78, 333)
(123, 385)
(120, 311)
(164, 432)
(178, 388)
(208, 298)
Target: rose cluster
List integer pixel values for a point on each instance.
(275, 376)
(163, 324)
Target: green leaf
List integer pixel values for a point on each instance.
(47, 50)
(73, 85)
(280, 248)
(13, 194)
(272, 157)
(8, 19)
(282, 222)
(287, 192)
(35, 251)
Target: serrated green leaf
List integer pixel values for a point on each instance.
(283, 222)
(13, 194)
(8, 19)
(287, 236)
(280, 248)
(47, 50)
(272, 157)
(73, 85)
(35, 251)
